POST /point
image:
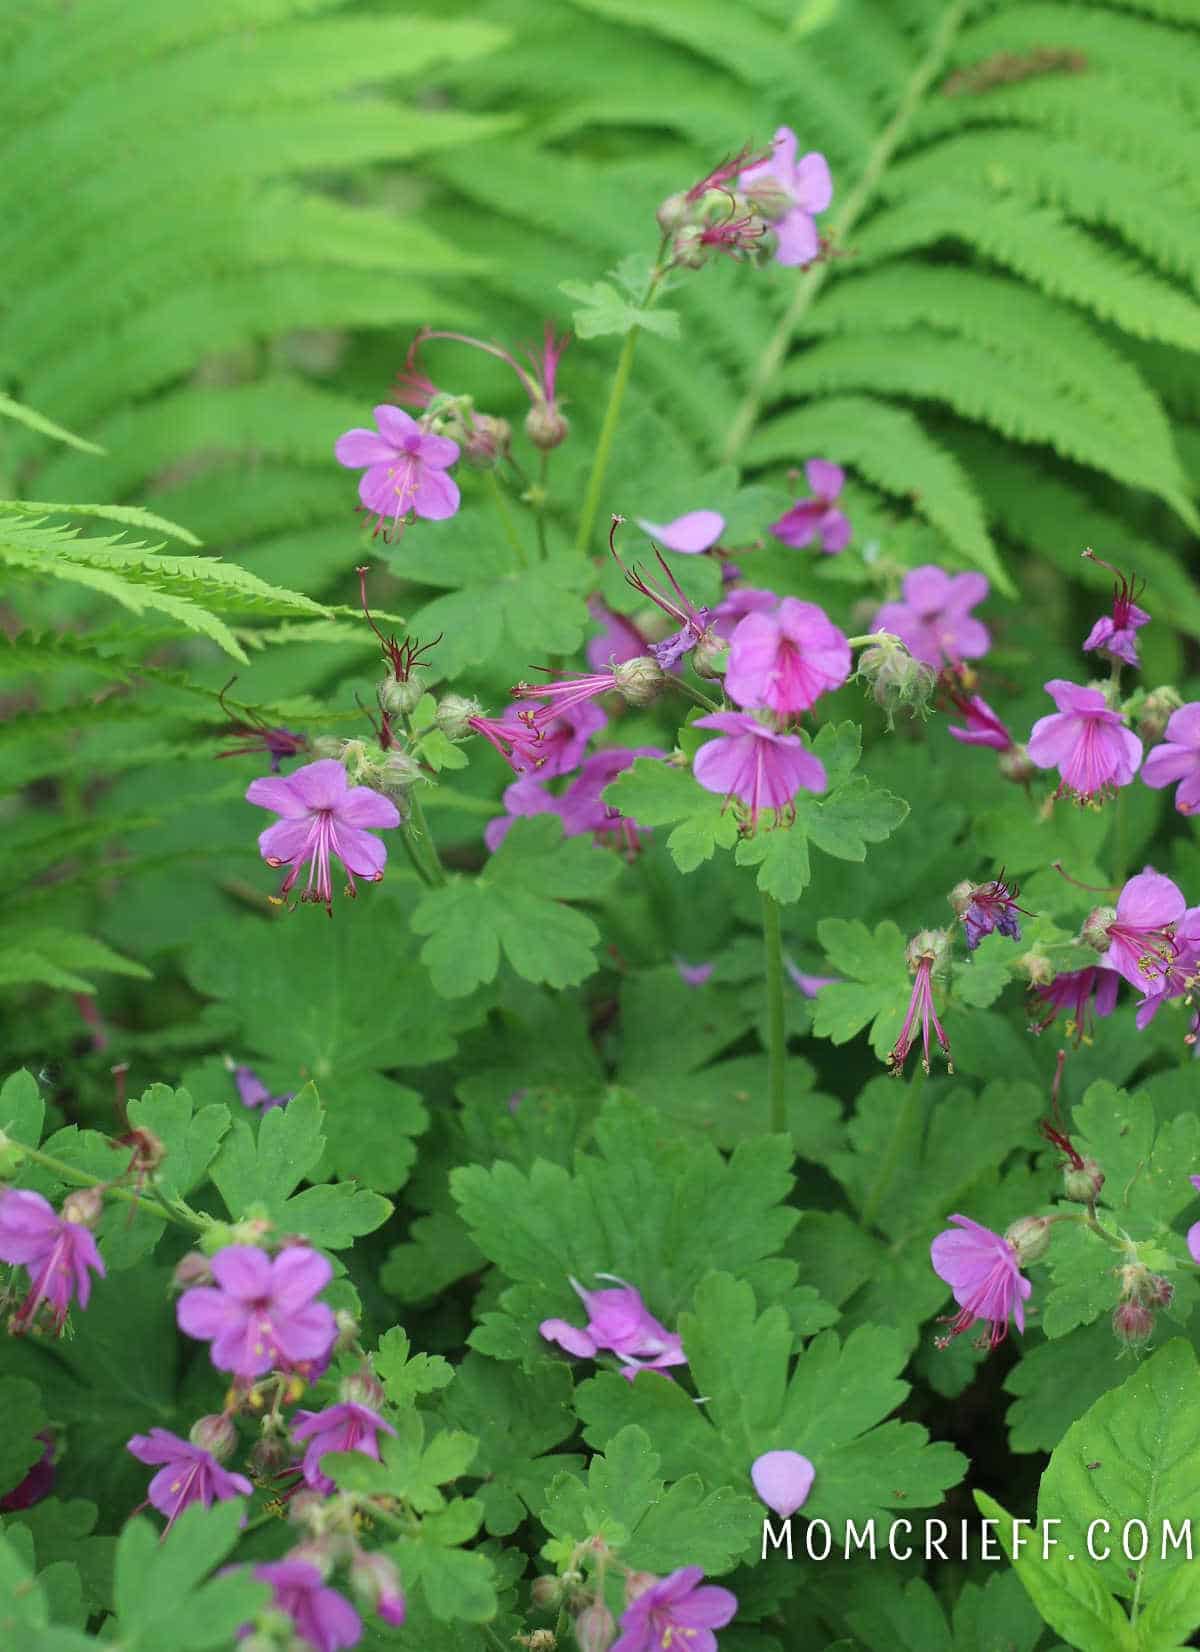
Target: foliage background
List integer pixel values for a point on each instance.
(225, 222)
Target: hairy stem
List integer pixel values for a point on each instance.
(608, 430)
(857, 201)
(776, 1036)
(182, 1217)
(435, 873)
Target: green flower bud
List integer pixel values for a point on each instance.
(640, 680)
(1029, 1238)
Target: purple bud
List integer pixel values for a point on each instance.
(1132, 1323)
(783, 1479)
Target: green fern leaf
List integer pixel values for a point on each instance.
(132, 515)
(50, 957)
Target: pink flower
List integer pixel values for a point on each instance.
(1073, 991)
(1141, 936)
(1087, 743)
(785, 661)
(749, 761)
(789, 193)
(582, 806)
(190, 1474)
(991, 907)
(324, 1620)
(405, 468)
(345, 1427)
(689, 534)
(323, 816)
(619, 1322)
(817, 517)
(674, 1613)
(1116, 633)
(934, 619)
(736, 604)
(55, 1253)
(783, 1479)
(261, 1313)
(252, 1092)
(1178, 758)
(1179, 976)
(981, 1269)
(922, 954)
(983, 727)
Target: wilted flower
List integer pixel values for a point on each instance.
(1075, 990)
(785, 661)
(783, 1479)
(933, 616)
(818, 517)
(323, 817)
(262, 1311)
(190, 1474)
(1178, 759)
(984, 907)
(619, 1322)
(674, 1613)
(405, 468)
(923, 952)
(255, 735)
(983, 727)
(749, 761)
(545, 424)
(789, 193)
(55, 1253)
(981, 1269)
(1116, 633)
(324, 1620)
(1085, 741)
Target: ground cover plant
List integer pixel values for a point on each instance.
(602, 912)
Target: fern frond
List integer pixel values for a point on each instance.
(52, 957)
(132, 515)
(891, 449)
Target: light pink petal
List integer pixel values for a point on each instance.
(436, 496)
(1099, 634)
(798, 526)
(753, 650)
(159, 1446)
(438, 451)
(835, 532)
(694, 532)
(359, 852)
(1187, 798)
(286, 841)
(721, 765)
(1053, 739)
(927, 588)
(966, 639)
(798, 241)
(358, 448)
(965, 590)
(320, 785)
(1071, 697)
(297, 1274)
(710, 1607)
(241, 1347)
(1130, 757)
(206, 1312)
(1150, 900)
(783, 1479)
(1168, 763)
(242, 1271)
(395, 423)
(813, 183)
(1183, 726)
(825, 478)
(378, 490)
(306, 1334)
(568, 1336)
(1193, 1241)
(277, 793)
(361, 806)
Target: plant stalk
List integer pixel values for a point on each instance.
(776, 1035)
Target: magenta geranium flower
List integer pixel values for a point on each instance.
(1085, 741)
(345, 1427)
(982, 726)
(325, 1620)
(1076, 990)
(696, 531)
(818, 517)
(1178, 758)
(785, 661)
(981, 1269)
(582, 807)
(1115, 634)
(324, 817)
(933, 617)
(620, 1323)
(189, 1474)
(1142, 943)
(737, 603)
(676, 1611)
(55, 1253)
(789, 193)
(783, 1479)
(1179, 977)
(261, 1313)
(405, 468)
(991, 907)
(921, 955)
(749, 761)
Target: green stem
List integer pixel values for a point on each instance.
(80, 1178)
(543, 500)
(901, 1132)
(420, 826)
(696, 695)
(857, 201)
(1088, 1220)
(506, 521)
(776, 1037)
(608, 430)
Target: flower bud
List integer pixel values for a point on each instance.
(1155, 711)
(348, 1330)
(215, 1434)
(192, 1269)
(330, 745)
(84, 1205)
(674, 212)
(376, 1584)
(1036, 968)
(895, 678)
(486, 441)
(397, 773)
(688, 251)
(545, 1593)
(1029, 1237)
(1132, 1323)
(961, 896)
(1082, 1183)
(1162, 1292)
(710, 656)
(1015, 764)
(640, 680)
(545, 426)
(636, 1583)
(595, 1628)
(399, 698)
(453, 712)
(1095, 929)
(269, 1456)
(306, 1506)
(363, 1387)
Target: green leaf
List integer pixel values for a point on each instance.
(655, 793)
(514, 906)
(191, 1139)
(1070, 1596)
(22, 1109)
(406, 1375)
(603, 311)
(879, 990)
(20, 1449)
(162, 1598)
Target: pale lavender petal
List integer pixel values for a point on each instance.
(927, 589)
(305, 1334)
(783, 1479)
(297, 1275)
(1183, 726)
(798, 526)
(395, 423)
(694, 532)
(1150, 900)
(320, 785)
(1187, 798)
(708, 1608)
(286, 841)
(1193, 1241)
(277, 794)
(206, 1312)
(438, 451)
(813, 183)
(1168, 763)
(835, 532)
(1053, 739)
(242, 1271)
(798, 240)
(436, 495)
(361, 806)
(358, 448)
(360, 853)
(825, 478)
(568, 1336)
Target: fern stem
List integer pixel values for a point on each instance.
(857, 201)
(591, 499)
(776, 1034)
(506, 521)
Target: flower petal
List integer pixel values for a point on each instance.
(242, 1271)
(297, 1275)
(783, 1479)
(435, 496)
(358, 448)
(363, 807)
(395, 423)
(276, 793)
(320, 785)
(689, 534)
(360, 853)
(825, 478)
